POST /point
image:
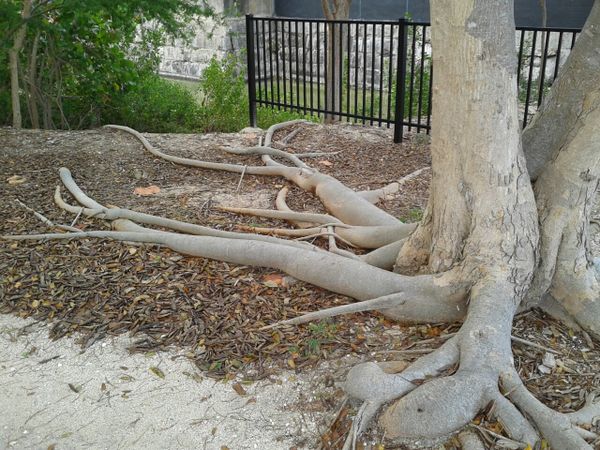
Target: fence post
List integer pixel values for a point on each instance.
(251, 72)
(400, 81)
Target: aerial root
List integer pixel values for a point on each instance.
(371, 383)
(95, 209)
(267, 151)
(367, 237)
(515, 424)
(384, 302)
(341, 201)
(377, 195)
(281, 205)
(291, 216)
(47, 221)
(556, 428)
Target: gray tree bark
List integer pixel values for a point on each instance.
(334, 10)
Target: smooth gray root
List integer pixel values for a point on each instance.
(176, 225)
(377, 195)
(338, 199)
(555, 427)
(470, 441)
(353, 278)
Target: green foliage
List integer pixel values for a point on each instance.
(223, 96)
(413, 215)
(224, 99)
(79, 57)
(156, 105)
(323, 332)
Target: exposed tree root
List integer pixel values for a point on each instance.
(470, 441)
(378, 195)
(339, 200)
(372, 237)
(281, 205)
(441, 392)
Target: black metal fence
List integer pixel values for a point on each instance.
(374, 72)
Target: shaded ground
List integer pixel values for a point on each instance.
(211, 312)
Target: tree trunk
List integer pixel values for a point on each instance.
(13, 61)
(490, 240)
(32, 88)
(340, 10)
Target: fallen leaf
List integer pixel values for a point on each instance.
(237, 387)
(324, 162)
(156, 371)
(273, 280)
(16, 179)
(74, 388)
(145, 191)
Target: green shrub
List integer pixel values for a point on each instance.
(224, 99)
(156, 105)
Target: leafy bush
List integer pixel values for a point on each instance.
(225, 103)
(224, 97)
(156, 105)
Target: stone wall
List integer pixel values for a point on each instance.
(212, 39)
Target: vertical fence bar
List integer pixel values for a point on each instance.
(304, 65)
(390, 75)
(429, 98)
(297, 66)
(310, 46)
(412, 75)
(251, 74)
(543, 69)
(264, 53)
(356, 55)
(557, 60)
(364, 92)
(257, 53)
(422, 69)
(573, 38)
(341, 68)
(372, 99)
(291, 65)
(381, 44)
(277, 63)
(331, 104)
(283, 63)
(319, 69)
(271, 62)
(529, 79)
(326, 66)
(400, 76)
(348, 45)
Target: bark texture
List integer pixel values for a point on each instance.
(334, 10)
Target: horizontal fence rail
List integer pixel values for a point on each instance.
(374, 72)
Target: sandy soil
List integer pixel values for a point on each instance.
(52, 395)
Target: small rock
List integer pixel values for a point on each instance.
(549, 361)
(544, 370)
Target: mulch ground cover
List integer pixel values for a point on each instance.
(213, 311)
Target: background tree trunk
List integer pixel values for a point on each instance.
(13, 61)
(338, 10)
